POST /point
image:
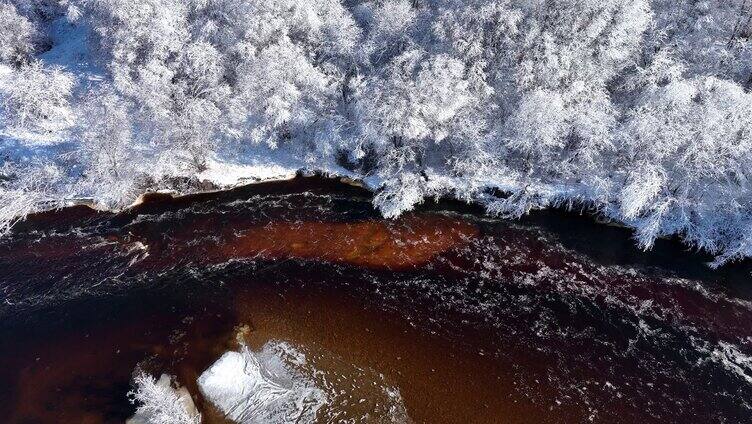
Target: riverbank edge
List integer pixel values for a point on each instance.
(369, 189)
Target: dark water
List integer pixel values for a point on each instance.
(439, 316)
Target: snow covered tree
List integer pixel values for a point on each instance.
(37, 97)
(635, 108)
(18, 36)
(162, 401)
(108, 152)
(291, 67)
(415, 107)
(687, 148)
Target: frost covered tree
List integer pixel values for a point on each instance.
(154, 64)
(18, 36)
(161, 402)
(37, 97)
(290, 63)
(637, 109)
(687, 146)
(108, 151)
(411, 113)
(27, 187)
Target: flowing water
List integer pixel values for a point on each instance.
(296, 302)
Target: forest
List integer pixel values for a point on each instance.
(637, 110)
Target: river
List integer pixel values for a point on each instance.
(443, 315)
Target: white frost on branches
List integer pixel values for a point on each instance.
(161, 402)
(640, 109)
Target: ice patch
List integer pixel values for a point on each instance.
(266, 386)
(283, 383)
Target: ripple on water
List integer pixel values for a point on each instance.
(433, 316)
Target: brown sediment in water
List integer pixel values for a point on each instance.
(438, 380)
(70, 377)
(404, 243)
(399, 244)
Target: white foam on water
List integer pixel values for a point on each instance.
(733, 359)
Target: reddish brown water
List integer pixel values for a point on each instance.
(550, 320)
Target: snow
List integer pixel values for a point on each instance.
(638, 109)
(228, 172)
(71, 50)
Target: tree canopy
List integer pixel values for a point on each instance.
(638, 109)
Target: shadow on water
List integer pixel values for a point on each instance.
(614, 245)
